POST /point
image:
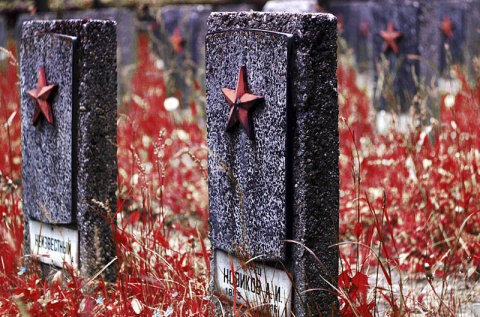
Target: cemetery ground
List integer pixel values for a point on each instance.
(409, 235)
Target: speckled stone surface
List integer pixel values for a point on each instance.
(88, 124)
(248, 178)
(311, 203)
(47, 149)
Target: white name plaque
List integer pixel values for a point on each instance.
(53, 244)
(257, 284)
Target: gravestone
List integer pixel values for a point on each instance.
(273, 168)
(355, 25)
(181, 45)
(451, 20)
(395, 58)
(68, 115)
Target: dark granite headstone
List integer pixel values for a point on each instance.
(452, 43)
(180, 42)
(70, 163)
(282, 182)
(355, 25)
(398, 69)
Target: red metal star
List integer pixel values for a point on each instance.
(241, 104)
(40, 96)
(177, 41)
(446, 26)
(390, 36)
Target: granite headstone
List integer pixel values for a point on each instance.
(181, 45)
(69, 165)
(273, 176)
(398, 68)
(355, 25)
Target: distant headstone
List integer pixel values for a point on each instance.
(395, 48)
(451, 20)
(68, 114)
(181, 45)
(355, 25)
(272, 121)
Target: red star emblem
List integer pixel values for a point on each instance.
(40, 97)
(390, 36)
(241, 104)
(177, 41)
(447, 26)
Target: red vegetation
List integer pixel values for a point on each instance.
(407, 201)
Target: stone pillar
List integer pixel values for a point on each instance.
(272, 122)
(69, 112)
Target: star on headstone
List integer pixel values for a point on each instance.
(390, 37)
(40, 97)
(241, 104)
(177, 41)
(446, 26)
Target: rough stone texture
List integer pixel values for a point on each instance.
(406, 20)
(93, 130)
(29, 17)
(47, 149)
(313, 219)
(248, 178)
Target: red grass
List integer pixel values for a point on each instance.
(405, 202)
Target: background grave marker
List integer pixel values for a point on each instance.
(283, 183)
(72, 161)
